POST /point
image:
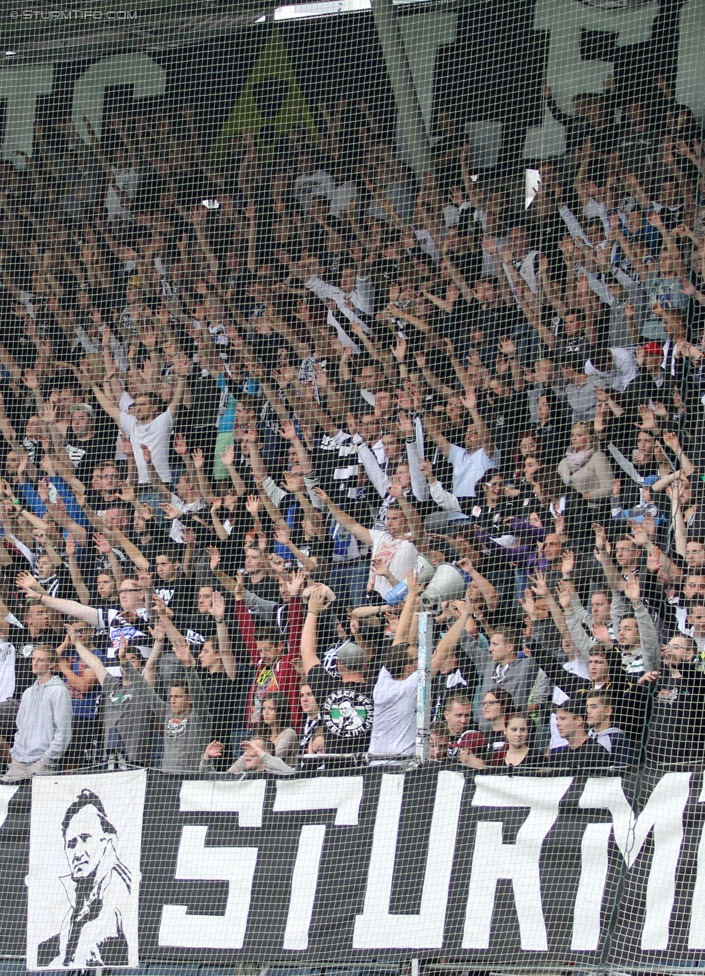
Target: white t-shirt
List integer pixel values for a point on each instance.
(128, 181)
(394, 723)
(400, 556)
(319, 184)
(7, 670)
(468, 469)
(155, 435)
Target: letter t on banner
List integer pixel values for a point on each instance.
(518, 862)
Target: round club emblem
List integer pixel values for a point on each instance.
(347, 714)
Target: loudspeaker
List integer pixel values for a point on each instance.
(448, 583)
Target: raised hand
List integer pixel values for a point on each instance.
(214, 750)
(287, 429)
(170, 511)
(102, 544)
(469, 401)
(379, 567)
(568, 563)
(565, 593)
(214, 555)
(295, 583)
(654, 559)
(602, 634)
(319, 599)
(29, 586)
(183, 653)
(600, 536)
(126, 493)
(218, 606)
(253, 505)
(632, 590)
(180, 445)
(539, 584)
(158, 632)
(240, 591)
(320, 493)
(528, 603)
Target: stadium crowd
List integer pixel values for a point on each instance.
(241, 396)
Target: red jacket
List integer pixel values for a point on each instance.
(280, 676)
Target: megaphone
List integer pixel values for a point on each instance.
(424, 572)
(448, 583)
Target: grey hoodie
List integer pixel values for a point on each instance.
(43, 723)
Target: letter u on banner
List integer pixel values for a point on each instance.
(376, 928)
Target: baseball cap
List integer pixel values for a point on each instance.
(472, 740)
(86, 407)
(352, 656)
(653, 349)
(576, 706)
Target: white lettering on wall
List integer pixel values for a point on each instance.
(340, 793)
(19, 87)
(663, 814)
(566, 72)
(696, 935)
(138, 70)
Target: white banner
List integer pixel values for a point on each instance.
(84, 871)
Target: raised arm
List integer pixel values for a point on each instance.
(224, 645)
(91, 660)
(318, 602)
(347, 521)
(69, 608)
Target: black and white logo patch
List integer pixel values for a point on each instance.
(347, 714)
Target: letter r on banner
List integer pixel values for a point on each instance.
(518, 862)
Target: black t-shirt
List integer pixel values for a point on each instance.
(221, 695)
(197, 628)
(346, 711)
(587, 756)
(179, 594)
(88, 454)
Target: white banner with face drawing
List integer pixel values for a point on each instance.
(84, 871)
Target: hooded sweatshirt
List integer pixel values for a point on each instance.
(43, 723)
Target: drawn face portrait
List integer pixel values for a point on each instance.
(85, 843)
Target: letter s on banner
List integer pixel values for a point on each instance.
(518, 862)
(196, 862)
(376, 928)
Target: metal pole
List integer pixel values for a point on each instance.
(423, 691)
(410, 115)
